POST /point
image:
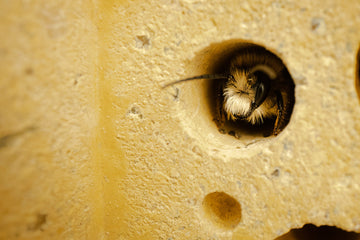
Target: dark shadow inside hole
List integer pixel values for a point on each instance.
(217, 59)
(241, 127)
(312, 232)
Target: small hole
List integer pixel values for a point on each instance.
(318, 25)
(222, 209)
(38, 223)
(276, 172)
(357, 73)
(134, 112)
(311, 232)
(142, 41)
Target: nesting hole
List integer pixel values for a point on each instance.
(202, 98)
(312, 232)
(222, 210)
(259, 55)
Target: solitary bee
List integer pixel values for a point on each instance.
(256, 86)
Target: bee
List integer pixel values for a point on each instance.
(256, 86)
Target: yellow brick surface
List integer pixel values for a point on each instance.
(91, 146)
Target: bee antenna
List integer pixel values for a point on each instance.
(205, 76)
(265, 69)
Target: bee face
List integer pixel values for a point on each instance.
(247, 94)
(238, 93)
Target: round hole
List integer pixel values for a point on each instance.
(274, 113)
(204, 100)
(222, 209)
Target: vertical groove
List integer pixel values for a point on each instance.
(108, 154)
(357, 73)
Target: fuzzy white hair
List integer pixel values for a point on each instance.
(238, 96)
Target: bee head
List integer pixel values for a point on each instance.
(246, 90)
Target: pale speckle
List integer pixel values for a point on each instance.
(328, 61)
(349, 47)
(300, 79)
(174, 173)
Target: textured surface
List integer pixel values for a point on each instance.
(92, 147)
(49, 182)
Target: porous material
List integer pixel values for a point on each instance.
(92, 146)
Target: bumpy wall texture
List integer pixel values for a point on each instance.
(91, 146)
